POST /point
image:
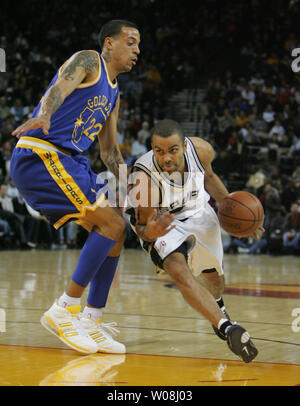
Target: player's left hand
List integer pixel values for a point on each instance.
(42, 122)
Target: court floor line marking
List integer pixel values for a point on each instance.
(151, 315)
(169, 317)
(156, 355)
(230, 380)
(207, 333)
(180, 331)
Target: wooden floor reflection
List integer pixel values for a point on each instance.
(168, 343)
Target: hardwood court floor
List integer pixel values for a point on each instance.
(168, 343)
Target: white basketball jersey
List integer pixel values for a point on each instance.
(184, 199)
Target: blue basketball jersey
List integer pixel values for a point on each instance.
(80, 118)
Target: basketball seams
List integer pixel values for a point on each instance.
(240, 219)
(242, 204)
(258, 204)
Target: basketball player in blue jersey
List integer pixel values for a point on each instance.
(80, 105)
(177, 227)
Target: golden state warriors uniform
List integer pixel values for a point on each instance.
(49, 170)
(196, 223)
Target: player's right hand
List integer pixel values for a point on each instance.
(157, 227)
(258, 234)
(42, 122)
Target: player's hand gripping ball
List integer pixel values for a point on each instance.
(241, 214)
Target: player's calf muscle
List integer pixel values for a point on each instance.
(214, 282)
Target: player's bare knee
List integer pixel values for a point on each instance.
(117, 227)
(110, 222)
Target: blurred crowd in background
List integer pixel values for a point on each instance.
(239, 54)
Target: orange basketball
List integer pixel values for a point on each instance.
(240, 214)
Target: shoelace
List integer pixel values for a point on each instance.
(110, 327)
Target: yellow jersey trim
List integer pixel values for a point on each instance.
(92, 82)
(109, 81)
(25, 142)
(80, 215)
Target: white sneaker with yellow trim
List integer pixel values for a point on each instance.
(99, 332)
(65, 324)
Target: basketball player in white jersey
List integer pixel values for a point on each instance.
(170, 212)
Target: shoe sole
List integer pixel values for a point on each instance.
(103, 351)
(66, 342)
(244, 354)
(254, 352)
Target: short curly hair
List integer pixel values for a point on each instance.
(165, 128)
(113, 28)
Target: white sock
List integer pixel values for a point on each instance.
(66, 300)
(92, 313)
(223, 325)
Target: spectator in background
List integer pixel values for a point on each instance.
(133, 90)
(272, 200)
(138, 148)
(248, 95)
(269, 88)
(269, 114)
(12, 191)
(153, 74)
(296, 179)
(19, 111)
(289, 194)
(126, 146)
(3, 170)
(278, 129)
(28, 221)
(144, 132)
(256, 179)
(257, 80)
(222, 164)
(5, 111)
(291, 236)
(242, 118)
(5, 234)
(7, 213)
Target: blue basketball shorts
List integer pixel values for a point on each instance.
(52, 181)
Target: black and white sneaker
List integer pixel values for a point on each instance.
(238, 340)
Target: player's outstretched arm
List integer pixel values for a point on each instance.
(82, 65)
(213, 184)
